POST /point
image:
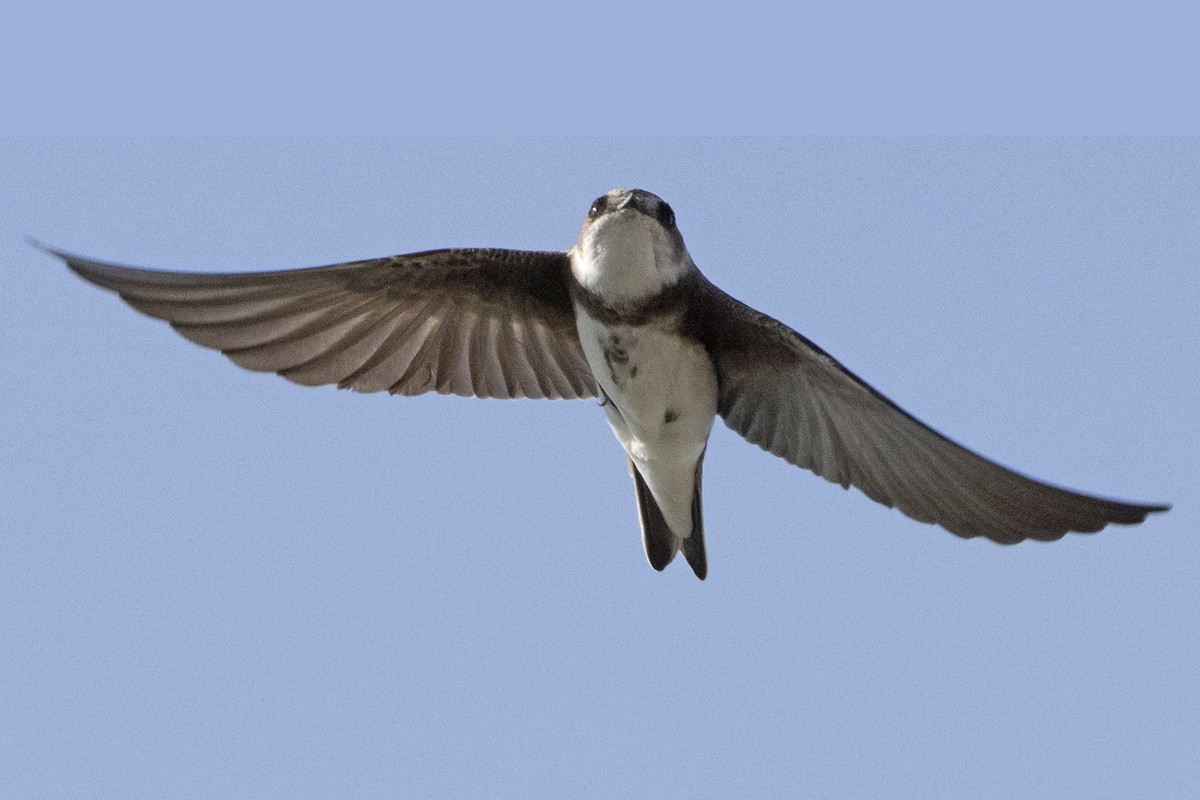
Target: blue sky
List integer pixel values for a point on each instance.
(216, 583)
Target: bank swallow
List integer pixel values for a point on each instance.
(624, 316)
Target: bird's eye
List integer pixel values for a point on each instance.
(666, 216)
(597, 207)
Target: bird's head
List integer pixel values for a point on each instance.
(629, 247)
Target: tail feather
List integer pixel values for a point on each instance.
(693, 546)
(661, 544)
(660, 541)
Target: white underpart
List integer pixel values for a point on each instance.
(624, 257)
(661, 373)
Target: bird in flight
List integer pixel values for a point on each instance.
(624, 316)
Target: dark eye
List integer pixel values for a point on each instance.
(597, 207)
(666, 216)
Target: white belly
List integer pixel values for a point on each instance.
(662, 400)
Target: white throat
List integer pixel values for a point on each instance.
(625, 257)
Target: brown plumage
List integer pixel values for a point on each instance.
(502, 323)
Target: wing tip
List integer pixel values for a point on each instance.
(33, 241)
(51, 250)
(1123, 514)
(83, 267)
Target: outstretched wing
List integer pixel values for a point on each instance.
(785, 394)
(481, 323)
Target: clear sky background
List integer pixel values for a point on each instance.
(214, 583)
